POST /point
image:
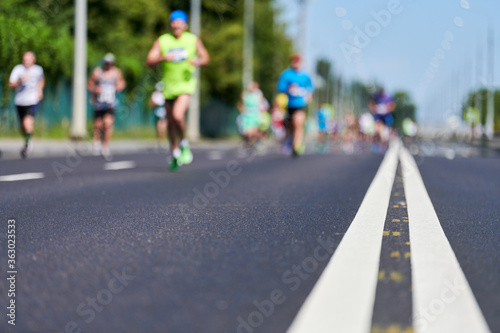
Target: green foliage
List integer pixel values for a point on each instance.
(128, 29)
(41, 26)
(479, 100)
(405, 108)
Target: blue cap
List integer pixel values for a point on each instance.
(179, 15)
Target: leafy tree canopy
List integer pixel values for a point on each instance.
(128, 29)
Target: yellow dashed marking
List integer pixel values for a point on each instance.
(381, 275)
(407, 254)
(391, 329)
(395, 254)
(396, 206)
(396, 233)
(386, 233)
(396, 276)
(407, 243)
(396, 220)
(396, 194)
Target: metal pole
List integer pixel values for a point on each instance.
(78, 127)
(193, 123)
(490, 110)
(491, 89)
(248, 42)
(477, 98)
(301, 35)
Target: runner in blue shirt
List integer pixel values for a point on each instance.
(382, 105)
(299, 88)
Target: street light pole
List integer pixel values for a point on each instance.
(248, 42)
(193, 121)
(79, 119)
(301, 35)
(490, 111)
(491, 89)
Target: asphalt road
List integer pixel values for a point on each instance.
(215, 247)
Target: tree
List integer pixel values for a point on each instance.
(128, 29)
(479, 100)
(405, 108)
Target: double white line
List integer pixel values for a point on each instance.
(343, 298)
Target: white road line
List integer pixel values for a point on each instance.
(22, 176)
(215, 155)
(120, 165)
(342, 299)
(442, 298)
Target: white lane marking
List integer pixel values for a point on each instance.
(442, 298)
(342, 299)
(215, 155)
(22, 176)
(120, 165)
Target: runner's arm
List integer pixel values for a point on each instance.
(14, 80)
(120, 83)
(203, 56)
(310, 90)
(240, 103)
(154, 55)
(391, 106)
(40, 86)
(282, 84)
(372, 106)
(91, 83)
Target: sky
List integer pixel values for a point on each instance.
(436, 50)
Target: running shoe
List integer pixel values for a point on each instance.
(24, 152)
(96, 149)
(286, 149)
(297, 151)
(106, 154)
(186, 155)
(174, 164)
(27, 149)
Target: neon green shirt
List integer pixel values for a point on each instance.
(178, 75)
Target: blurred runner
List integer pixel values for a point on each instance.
(250, 107)
(350, 134)
(157, 102)
(325, 115)
(28, 81)
(298, 86)
(278, 118)
(382, 105)
(104, 83)
(410, 130)
(264, 117)
(472, 117)
(366, 126)
(180, 52)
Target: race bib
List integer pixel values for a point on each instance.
(178, 54)
(382, 109)
(296, 90)
(160, 112)
(108, 94)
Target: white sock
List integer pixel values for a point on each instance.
(184, 143)
(176, 153)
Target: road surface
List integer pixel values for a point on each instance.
(238, 242)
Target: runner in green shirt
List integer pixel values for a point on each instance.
(179, 52)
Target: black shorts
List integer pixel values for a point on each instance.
(101, 113)
(384, 118)
(291, 111)
(289, 114)
(23, 111)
